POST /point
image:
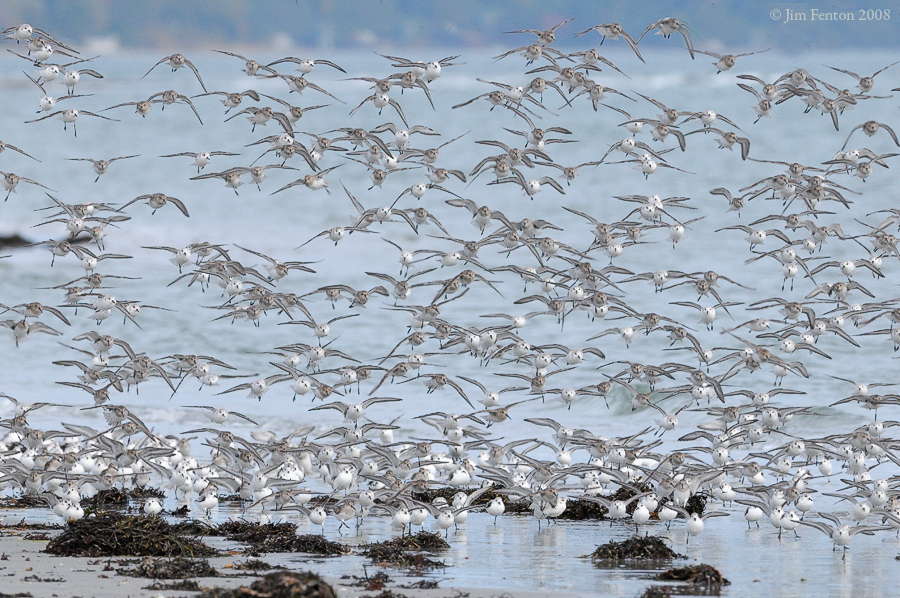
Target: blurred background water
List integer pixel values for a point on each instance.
(277, 225)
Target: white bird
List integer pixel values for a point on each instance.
(177, 61)
(530, 187)
(695, 522)
(70, 115)
(218, 415)
(841, 533)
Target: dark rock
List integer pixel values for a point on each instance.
(13, 241)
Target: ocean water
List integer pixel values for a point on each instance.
(276, 225)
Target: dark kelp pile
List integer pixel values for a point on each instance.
(117, 498)
(175, 568)
(195, 527)
(137, 493)
(254, 565)
(282, 584)
(369, 583)
(638, 548)
(705, 575)
(278, 537)
(33, 531)
(386, 594)
(185, 585)
(422, 584)
(580, 510)
(25, 501)
(22, 526)
(398, 552)
(112, 497)
(695, 504)
(114, 534)
(513, 507)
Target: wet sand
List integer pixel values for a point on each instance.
(511, 558)
(25, 568)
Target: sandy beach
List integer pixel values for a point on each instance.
(26, 569)
(512, 558)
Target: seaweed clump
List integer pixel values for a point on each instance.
(699, 574)
(374, 583)
(194, 527)
(114, 497)
(109, 498)
(387, 594)
(252, 533)
(579, 510)
(177, 568)
(26, 501)
(114, 534)
(22, 525)
(282, 584)
(142, 493)
(185, 585)
(278, 537)
(422, 584)
(513, 507)
(638, 548)
(695, 504)
(253, 565)
(398, 551)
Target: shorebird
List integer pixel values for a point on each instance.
(232, 99)
(157, 201)
(612, 31)
(667, 26)
(306, 65)
(102, 166)
(11, 180)
(177, 61)
(200, 159)
(251, 67)
(839, 533)
(70, 115)
(865, 84)
(726, 62)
